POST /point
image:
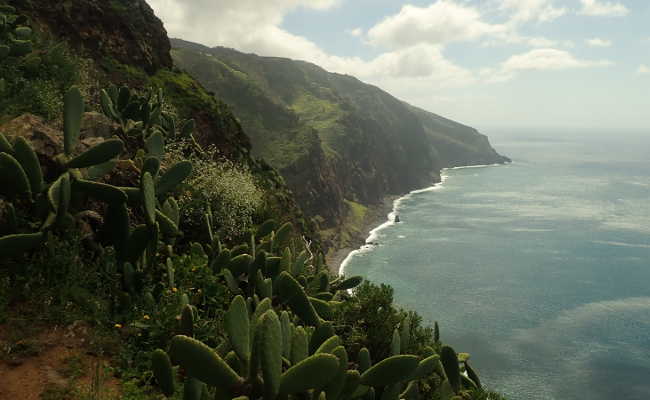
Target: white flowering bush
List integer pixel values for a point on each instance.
(228, 189)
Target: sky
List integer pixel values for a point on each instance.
(493, 64)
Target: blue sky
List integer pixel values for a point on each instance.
(493, 64)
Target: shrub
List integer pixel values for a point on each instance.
(227, 189)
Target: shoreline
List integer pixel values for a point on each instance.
(382, 216)
(377, 215)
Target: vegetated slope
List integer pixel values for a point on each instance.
(100, 266)
(122, 42)
(336, 140)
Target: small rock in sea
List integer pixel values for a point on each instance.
(397, 218)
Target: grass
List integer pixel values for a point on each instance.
(322, 115)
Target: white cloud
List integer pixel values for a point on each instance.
(532, 41)
(237, 23)
(356, 32)
(548, 59)
(419, 61)
(643, 70)
(597, 42)
(538, 60)
(531, 10)
(442, 22)
(230, 25)
(598, 8)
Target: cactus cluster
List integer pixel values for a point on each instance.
(266, 355)
(143, 115)
(15, 39)
(279, 340)
(21, 180)
(22, 177)
(253, 269)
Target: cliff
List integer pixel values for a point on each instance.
(339, 143)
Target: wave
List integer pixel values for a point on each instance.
(622, 244)
(476, 166)
(373, 235)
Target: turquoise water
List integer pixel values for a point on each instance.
(539, 269)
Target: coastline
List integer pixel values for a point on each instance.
(377, 215)
(381, 216)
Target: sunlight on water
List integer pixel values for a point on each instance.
(539, 269)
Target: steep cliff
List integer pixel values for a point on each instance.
(336, 140)
(121, 42)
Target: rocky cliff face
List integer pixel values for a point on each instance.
(126, 30)
(334, 138)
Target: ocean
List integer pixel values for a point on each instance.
(540, 269)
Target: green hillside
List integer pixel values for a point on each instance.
(333, 138)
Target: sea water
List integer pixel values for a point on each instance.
(539, 269)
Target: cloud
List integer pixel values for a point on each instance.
(230, 25)
(597, 8)
(549, 59)
(539, 60)
(419, 61)
(531, 10)
(531, 41)
(597, 42)
(442, 22)
(643, 70)
(232, 22)
(356, 32)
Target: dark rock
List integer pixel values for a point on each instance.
(96, 125)
(46, 141)
(126, 30)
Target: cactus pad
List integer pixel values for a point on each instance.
(201, 362)
(390, 371)
(311, 373)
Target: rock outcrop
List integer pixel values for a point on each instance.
(126, 30)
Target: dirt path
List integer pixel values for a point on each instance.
(55, 359)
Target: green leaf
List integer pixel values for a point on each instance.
(13, 179)
(149, 198)
(271, 352)
(202, 363)
(98, 154)
(390, 371)
(5, 146)
(162, 371)
(101, 191)
(173, 177)
(27, 158)
(13, 245)
(311, 373)
(73, 108)
(155, 145)
(237, 325)
(292, 293)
